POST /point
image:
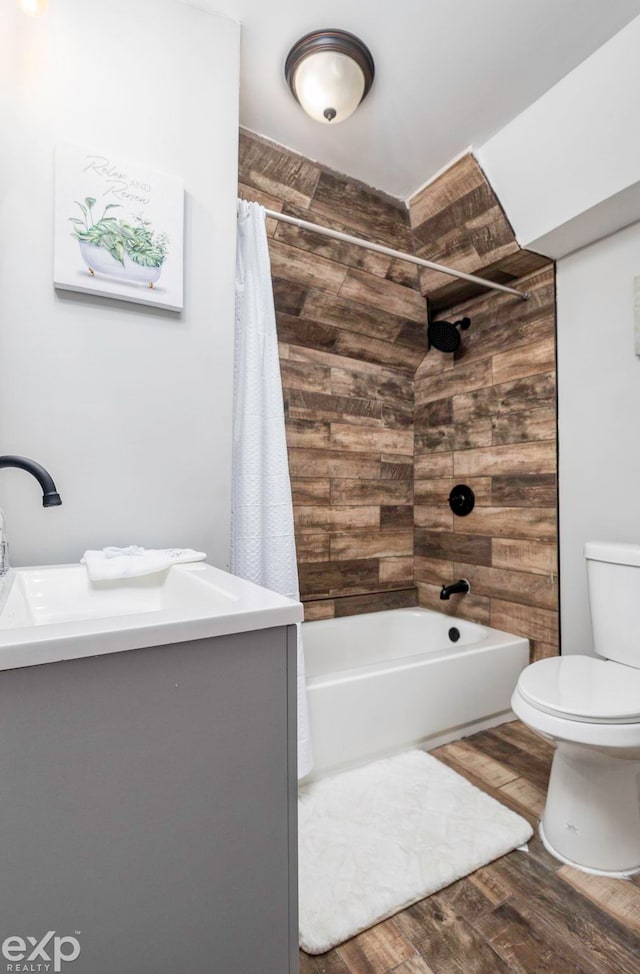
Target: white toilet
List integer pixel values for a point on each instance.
(589, 708)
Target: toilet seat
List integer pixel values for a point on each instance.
(583, 689)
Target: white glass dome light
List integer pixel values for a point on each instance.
(329, 72)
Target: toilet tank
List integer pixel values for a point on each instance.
(613, 571)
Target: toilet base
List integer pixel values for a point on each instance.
(592, 814)
(583, 869)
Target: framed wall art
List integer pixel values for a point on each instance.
(118, 229)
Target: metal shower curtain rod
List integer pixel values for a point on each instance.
(398, 254)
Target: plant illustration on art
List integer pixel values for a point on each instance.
(119, 229)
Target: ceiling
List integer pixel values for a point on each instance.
(449, 73)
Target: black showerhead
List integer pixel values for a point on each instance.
(445, 335)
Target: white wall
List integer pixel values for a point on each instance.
(599, 413)
(567, 169)
(128, 407)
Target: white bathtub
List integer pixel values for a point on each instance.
(386, 681)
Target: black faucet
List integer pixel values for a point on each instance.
(457, 588)
(50, 498)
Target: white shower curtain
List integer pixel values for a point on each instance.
(263, 547)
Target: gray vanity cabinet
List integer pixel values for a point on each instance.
(148, 807)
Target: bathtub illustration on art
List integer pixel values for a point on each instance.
(127, 250)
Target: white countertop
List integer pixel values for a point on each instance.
(55, 613)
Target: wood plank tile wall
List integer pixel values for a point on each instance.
(351, 328)
(487, 417)
(354, 370)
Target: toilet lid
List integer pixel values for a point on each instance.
(583, 688)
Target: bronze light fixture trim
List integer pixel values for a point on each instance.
(329, 73)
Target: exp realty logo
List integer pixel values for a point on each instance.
(28, 955)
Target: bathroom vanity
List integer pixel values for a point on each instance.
(148, 769)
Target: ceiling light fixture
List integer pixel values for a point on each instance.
(34, 7)
(329, 72)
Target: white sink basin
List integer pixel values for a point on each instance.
(56, 612)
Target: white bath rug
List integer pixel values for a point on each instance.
(374, 840)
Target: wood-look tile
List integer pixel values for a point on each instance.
(371, 544)
(433, 363)
(491, 402)
(519, 735)
(336, 518)
(534, 424)
(396, 469)
(461, 436)
(510, 522)
(371, 492)
(312, 545)
(543, 650)
(433, 517)
(523, 587)
(521, 947)
(524, 764)
(377, 950)
(275, 170)
(288, 297)
(438, 412)
(330, 963)
(467, 755)
(620, 899)
(506, 460)
(456, 182)
(303, 404)
(339, 312)
(526, 794)
(417, 965)
(381, 383)
(394, 517)
(435, 571)
(301, 375)
(398, 569)
(467, 899)
(397, 416)
(309, 491)
(524, 360)
(376, 216)
(447, 943)
(389, 595)
(325, 579)
(509, 269)
(308, 434)
(404, 302)
(524, 620)
(566, 919)
(336, 250)
(433, 466)
(359, 439)
(305, 332)
(305, 269)
(322, 609)
(302, 353)
(452, 546)
(389, 354)
(324, 463)
(529, 490)
(460, 380)
(523, 555)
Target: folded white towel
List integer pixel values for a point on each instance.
(112, 563)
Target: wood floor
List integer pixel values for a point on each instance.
(524, 913)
